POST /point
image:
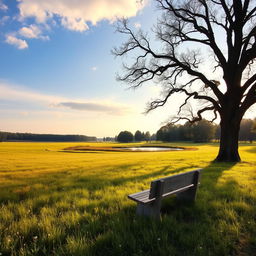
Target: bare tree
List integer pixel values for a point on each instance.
(225, 33)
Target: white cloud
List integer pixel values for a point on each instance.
(76, 24)
(94, 68)
(19, 43)
(32, 31)
(24, 110)
(96, 107)
(4, 19)
(75, 14)
(3, 7)
(137, 25)
(18, 94)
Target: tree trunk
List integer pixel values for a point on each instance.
(228, 150)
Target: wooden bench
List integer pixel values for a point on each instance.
(184, 185)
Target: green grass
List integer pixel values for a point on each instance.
(58, 203)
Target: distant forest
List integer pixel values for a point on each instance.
(9, 136)
(202, 131)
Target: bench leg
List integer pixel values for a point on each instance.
(150, 210)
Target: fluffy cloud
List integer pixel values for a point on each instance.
(76, 24)
(74, 15)
(19, 43)
(32, 31)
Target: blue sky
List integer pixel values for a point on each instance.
(57, 72)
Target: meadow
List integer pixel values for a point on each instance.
(54, 202)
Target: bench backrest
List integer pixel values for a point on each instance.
(173, 183)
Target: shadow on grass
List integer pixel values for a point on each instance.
(65, 181)
(204, 228)
(210, 226)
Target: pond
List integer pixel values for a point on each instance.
(153, 149)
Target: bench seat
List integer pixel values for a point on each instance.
(141, 197)
(183, 185)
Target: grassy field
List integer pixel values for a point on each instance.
(63, 203)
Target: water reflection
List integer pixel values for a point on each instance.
(153, 149)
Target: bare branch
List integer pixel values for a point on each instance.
(250, 99)
(161, 102)
(193, 119)
(249, 82)
(197, 24)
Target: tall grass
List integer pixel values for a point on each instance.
(58, 203)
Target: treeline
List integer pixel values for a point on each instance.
(203, 131)
(9, 136)
(126, 136)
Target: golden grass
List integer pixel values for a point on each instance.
(60, 203)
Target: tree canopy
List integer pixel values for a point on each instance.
(125, 136)
(202, 131)
(138, 136)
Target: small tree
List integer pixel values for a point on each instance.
(153, 137)
(186, 132)
(161, 134)
(196, 24)
(3, 136)
(147, 136)
(138, 136)
(246, 130)
(203, 131)
(125, 136)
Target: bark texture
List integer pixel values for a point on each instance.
(228, 150)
